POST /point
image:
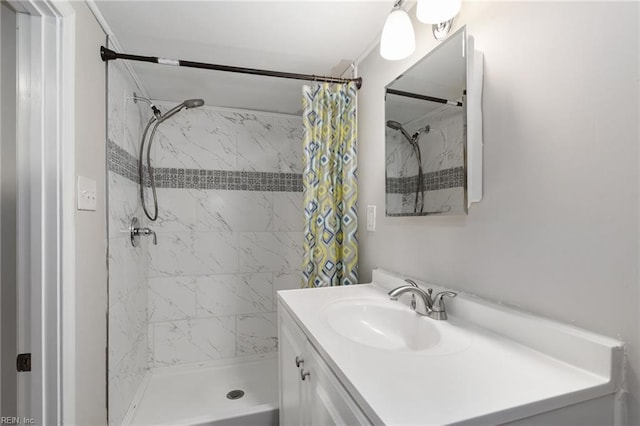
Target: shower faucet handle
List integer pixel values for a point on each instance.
(135, 231)
(148, 231)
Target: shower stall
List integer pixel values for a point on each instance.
(192, 323)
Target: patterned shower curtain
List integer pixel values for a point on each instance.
(330, 185)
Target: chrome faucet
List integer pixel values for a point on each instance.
(433, 307)
(135, 232)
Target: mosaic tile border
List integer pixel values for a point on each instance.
(123, 163)
(432, 181)
(434, 213)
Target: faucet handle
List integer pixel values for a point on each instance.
(148, 231)
(438, 303)
(135, 231)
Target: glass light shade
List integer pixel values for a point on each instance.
(398, 40)
(437, 11)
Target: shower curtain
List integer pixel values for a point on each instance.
(330, 185)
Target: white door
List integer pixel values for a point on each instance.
(24, 243)
(36, 207)
(8, 213)
(15, 218)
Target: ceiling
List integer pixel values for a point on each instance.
(303, 36)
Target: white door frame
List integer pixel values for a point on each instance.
(46, 208)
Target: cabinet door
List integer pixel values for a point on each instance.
(327, 401)
(291, 345)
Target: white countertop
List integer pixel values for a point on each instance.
(493, 380)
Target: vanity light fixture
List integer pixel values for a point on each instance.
(398, 39)
(437, 11)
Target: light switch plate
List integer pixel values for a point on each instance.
(371, 218)
(87, 194)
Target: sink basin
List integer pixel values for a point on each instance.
(392, 326)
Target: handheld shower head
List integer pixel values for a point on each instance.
(394, 125)
(189, 103)
(193, 103)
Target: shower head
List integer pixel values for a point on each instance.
(193, 103)
(394, 125)
(189, 103)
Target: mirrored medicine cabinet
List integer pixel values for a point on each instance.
(433, 132)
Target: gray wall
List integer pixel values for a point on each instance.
(91, 227)
(8, 197)
(557, 231)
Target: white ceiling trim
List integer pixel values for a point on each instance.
(113, 40)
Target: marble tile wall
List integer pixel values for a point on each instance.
(128, 266)
(443, 147)
(223, 253)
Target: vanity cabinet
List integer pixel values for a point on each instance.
(371, 360)
(310, 394)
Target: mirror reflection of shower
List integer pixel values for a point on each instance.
(157, 118)
(414, 141)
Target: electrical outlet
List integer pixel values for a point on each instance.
(371, 218)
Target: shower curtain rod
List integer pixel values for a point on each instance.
(423, 97)
(108, 55)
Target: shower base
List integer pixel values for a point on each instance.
(197, 395)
